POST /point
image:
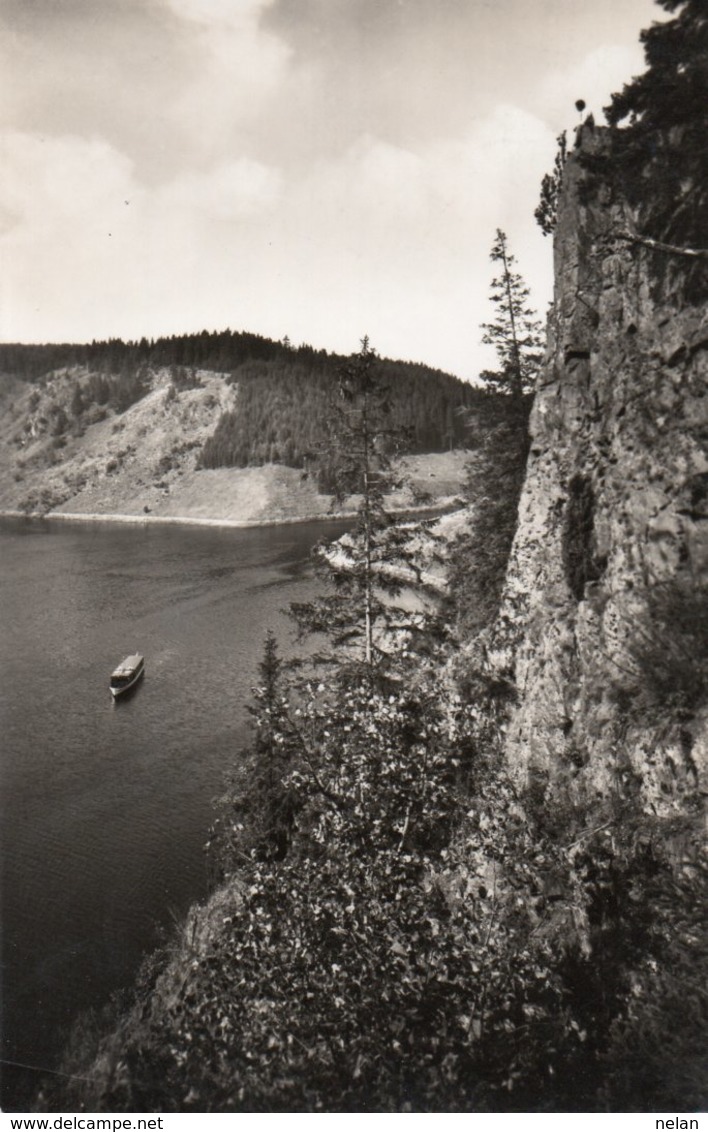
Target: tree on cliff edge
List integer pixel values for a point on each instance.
(499, 433)
(661, 157)
(515, 332)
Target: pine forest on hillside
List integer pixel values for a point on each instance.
(285, 394)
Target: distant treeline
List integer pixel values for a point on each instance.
(221, 351)
(285, 393)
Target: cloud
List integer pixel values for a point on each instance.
(395, 242)
(85, 244)
(594, 78)
(50, 184)
(239, 67)
(233, 190)
(170, 83)
(379, 239)
(219, 13)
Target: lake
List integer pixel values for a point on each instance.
(106, 805)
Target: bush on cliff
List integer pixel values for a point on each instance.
(398, 959)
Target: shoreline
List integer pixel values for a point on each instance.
(168, 520)
(445, 506)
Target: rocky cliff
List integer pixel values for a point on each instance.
(604, 622)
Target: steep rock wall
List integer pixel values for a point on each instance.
(612, 522)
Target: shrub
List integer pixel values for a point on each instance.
(165, 464)
(388, 962)
(655, 1058)
(184, 378)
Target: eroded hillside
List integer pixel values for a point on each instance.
(62, 453)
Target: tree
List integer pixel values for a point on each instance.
(546, 211)
(658, 161)
(666, 115)
(496, 474)
(256, 812)
(77, 403)
(495, 478)
(515, 332)
(367, 570)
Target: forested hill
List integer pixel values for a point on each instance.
(284, 392)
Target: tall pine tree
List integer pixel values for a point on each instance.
(515, 332)
(367, 570)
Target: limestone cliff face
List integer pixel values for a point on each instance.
(613, 519)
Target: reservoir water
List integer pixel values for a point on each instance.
(106, 806)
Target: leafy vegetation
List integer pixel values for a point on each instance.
(221, 351)
(366, 971)
(406, 932)
(402, 928)
(399, 927)
(666, 114)
(498, 433)
(657, 160)
(668, 652)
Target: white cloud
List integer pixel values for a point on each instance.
(383, 240)
(219, 12)
(233, 190)
(85, 244)
(395, 242)
(50, 182)
(239, 67)
(595, 78)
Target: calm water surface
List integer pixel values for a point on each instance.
(105, 806)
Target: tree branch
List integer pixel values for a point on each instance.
(659, 246)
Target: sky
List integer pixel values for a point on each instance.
(316, 169)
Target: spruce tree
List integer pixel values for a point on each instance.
(515, 332)
(368, 569)
(256, 812)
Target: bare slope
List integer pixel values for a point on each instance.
(142, 463)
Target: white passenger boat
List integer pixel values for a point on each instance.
(126, 674)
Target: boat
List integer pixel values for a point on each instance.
(126, 674)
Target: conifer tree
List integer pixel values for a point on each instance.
(546, 211)
(660, 157)
(256, 811)
(515, 332)
(368, 569)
